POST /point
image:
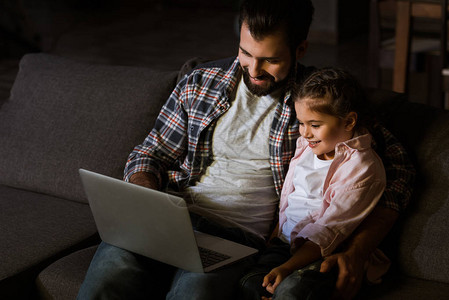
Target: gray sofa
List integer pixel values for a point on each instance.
(63, 115)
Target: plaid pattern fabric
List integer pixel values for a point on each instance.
(179, 147)
(398, 168)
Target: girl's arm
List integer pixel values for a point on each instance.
(304, 255)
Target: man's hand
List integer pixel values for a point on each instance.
(350, 273)
(145, 179)
(361, 244)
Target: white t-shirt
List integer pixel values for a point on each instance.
(238, 185)
(309, 176)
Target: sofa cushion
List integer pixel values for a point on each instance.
(63, 279)
(63, 115)
(403, 287)
(424, 131)
(35, 230)
(422, 232)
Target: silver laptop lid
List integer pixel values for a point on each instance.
(142, 220)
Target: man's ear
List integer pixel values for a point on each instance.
(350, 121)
(301, 49)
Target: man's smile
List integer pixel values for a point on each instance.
(259, 80)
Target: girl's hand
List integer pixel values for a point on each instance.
(274, 278)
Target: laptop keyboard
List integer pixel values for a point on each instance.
(210, 257)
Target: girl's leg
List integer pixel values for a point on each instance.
(307, 283)
(251, 283)
(115, 273)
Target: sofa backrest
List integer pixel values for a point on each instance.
(424, 228)
(63, 115)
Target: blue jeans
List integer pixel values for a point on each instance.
(115, 273)
(307, 283)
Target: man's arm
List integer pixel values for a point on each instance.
(166, 143)
(400, 177)
(145, 179)
(360, 245)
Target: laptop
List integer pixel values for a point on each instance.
(156, 225)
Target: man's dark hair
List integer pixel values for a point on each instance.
(264, 17)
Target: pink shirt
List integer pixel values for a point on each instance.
(352, 188)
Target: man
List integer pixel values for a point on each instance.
(224, 140)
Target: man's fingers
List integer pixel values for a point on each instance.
(348, 281)
(350, 288)
(347, 291)
(342, 278)
(327, 264)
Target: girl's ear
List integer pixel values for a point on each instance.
(350, 121)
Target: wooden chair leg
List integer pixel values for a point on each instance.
(435, 81)
(402, 53)
(374, 46)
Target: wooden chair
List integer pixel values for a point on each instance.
(424, 44)
(406, 12)
(381, 36)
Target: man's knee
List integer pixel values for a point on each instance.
(115, 272)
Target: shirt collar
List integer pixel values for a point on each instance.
(361, 141)
(230, 78)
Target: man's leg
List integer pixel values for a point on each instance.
(115, 273)
(222, 283)
(216, 285)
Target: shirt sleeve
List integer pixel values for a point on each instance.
(398, 167)
(166, 142)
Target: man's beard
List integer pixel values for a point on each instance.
(272, 84)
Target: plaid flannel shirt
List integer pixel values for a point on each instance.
(179, 148)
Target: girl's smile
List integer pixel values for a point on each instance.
(313, 144)
(323, 131)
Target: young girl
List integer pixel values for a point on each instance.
(334, 181)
